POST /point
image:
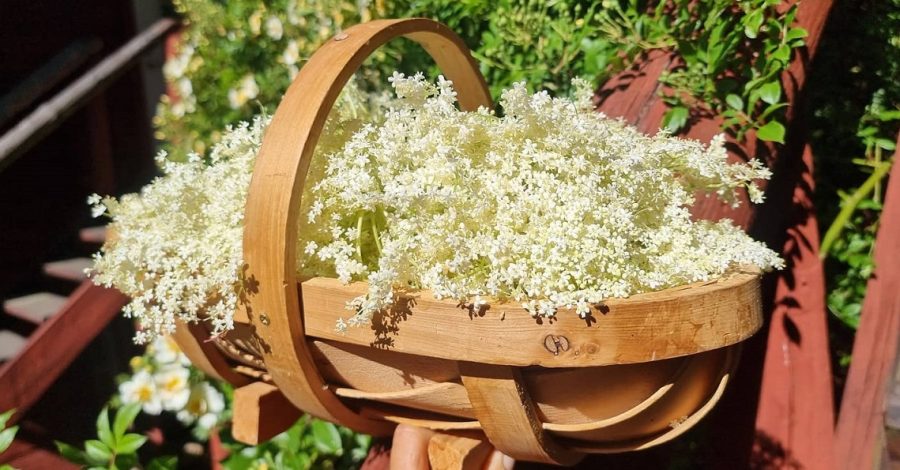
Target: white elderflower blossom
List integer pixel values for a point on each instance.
(177, 250)
(550, 205)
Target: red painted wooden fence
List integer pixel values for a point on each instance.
(783, 390)
(859, 437)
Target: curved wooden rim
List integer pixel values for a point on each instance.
(270, 232)
(646, 327)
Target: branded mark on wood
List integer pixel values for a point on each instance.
(555, 344)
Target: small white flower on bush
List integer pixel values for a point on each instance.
(246, 90)
(141, 388)
(172, 386)
(551, 205)
(204, 407)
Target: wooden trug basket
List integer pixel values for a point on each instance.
(641, 371)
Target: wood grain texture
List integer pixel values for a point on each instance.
(447, 452)
(859, 437)
(645, 327)
(279, 175)
(260, 413)
(508, 416)
(193, 341)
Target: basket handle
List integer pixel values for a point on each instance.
(270, 232)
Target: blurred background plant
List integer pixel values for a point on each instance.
(7, 434)
(235, 58)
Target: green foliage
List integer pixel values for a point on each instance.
(7, 434)
(114, 448)
(855, 122)
(308, 444)
(729, 55)
(227, 42)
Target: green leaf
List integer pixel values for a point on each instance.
(771, 132)
(326, 437)
(124, 417)
(97, 452)
(782, 54)
(103, 432)
(795, 33)
(752, 23)
(735, 101)
(886, 144)
(6, 437)
(130, 443)
(70, 453)
(166, 462)
(770, 92)
(4, 418)
(675, 118)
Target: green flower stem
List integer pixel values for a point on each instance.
(843, 217)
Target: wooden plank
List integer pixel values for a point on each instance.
(51, 113)
(457, 453)
(10, 345)
(55, 344)
(260, 413)
(96, 235)
(508, 416)
(859, 437)
(69, 269)
(657, 325)
(35, 308)
(50, 75)
(25, 455)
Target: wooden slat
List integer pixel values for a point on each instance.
(646, 327)
(24, 455)
(508, 416)
(55, 344)
(35, 308)
(95, 235)
(260, 413)
(50, 75)
(68, 269)
(10, 345)
(50, 114)
(859, 437)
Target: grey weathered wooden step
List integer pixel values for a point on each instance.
(69, 269)
(93, 234)
(35, 308)
(10, 344)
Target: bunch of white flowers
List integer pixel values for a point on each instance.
(552, 205)
(177, 245)
(162, 380)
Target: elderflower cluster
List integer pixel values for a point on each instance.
(177, 245)
(551, 204)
